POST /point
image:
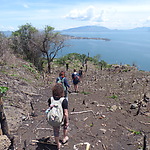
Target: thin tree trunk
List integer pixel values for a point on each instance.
(48, 63)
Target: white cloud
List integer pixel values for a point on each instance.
(25, 6)
(88, 14)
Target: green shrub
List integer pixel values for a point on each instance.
(3, 89)
(113, 96)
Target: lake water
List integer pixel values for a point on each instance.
(124, 47)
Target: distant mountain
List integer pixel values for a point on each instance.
(6, 33)
(104, 29)
(87, 29)
(141, 29)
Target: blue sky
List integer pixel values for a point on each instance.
(64, 14)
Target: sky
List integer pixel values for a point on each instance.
(64, 14)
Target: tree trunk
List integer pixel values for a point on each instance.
(48, 63)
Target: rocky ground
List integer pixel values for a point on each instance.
(110, 112)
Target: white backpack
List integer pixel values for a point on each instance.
(55, 113)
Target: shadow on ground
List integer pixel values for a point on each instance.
(46, 147)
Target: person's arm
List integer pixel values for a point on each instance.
(49, 102)
(56, 80)
(66, 83)
(65, 109)
(72, 76)
(66, 116)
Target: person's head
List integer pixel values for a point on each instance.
(74, 70)
(62, 74)
(58, 90)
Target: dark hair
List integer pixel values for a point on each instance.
(74, 70)
(58, 90)
(62, 73)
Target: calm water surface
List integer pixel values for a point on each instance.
(124, 47)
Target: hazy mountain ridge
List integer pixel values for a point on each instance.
(91, 29)
(102, 29)
(87, 29)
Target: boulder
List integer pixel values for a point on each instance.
(146, 97)
(5, 142)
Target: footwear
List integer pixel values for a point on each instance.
(58, 147)
(65, 140)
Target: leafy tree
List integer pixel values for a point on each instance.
(96, 59)
(103, 64)
(83, 58)
(23, 43)
(50, 43)
(22, 40)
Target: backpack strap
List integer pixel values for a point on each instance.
(60, 100)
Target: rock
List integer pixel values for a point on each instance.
(113, 108)
(134, 106)
(5, 142)
(147, 114)
(103, 130)
(147, 97)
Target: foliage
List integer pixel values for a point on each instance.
(134, 132)
(24, 41)
(114, 96)
(72, 57)
(30, 68)
(34, 44)
(96, 59)
(85, 93)
(3, 89)
(82, 58)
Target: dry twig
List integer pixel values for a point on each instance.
(81, 112)
(104, 147)
(80, 144)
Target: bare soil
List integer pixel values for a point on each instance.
(99, 114)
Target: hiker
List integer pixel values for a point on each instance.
(80, 72)
(67, 66)
(62, 79)
(76, 80)
(57, 95)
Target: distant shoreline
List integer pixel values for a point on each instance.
(75, 37)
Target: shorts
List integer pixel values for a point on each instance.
(56, 130)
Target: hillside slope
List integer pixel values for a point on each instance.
(100, 113)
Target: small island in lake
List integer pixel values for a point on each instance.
(89, 38)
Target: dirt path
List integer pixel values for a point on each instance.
(96, 116)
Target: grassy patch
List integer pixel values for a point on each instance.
(85, 93)
(113, 96)
(134, 132)
(3, 89)
(31, 69)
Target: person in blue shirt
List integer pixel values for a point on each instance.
(62, 79)
(76, 80)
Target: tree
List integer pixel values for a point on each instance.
(34, 45)
(23, 43)
(96, 59)
(51, 43)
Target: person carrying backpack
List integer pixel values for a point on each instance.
(58, 113)
(76, 80)
(62, 79)
(80, 72)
